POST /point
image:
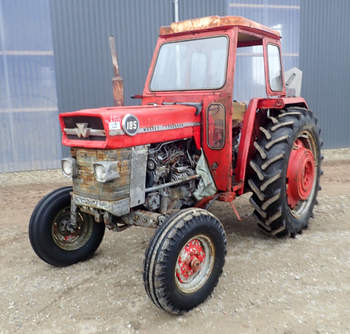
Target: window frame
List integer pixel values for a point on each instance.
(269, 90)
(186, 40)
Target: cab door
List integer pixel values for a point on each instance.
(217, 124)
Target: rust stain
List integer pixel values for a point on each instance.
(210, 22)
(85, 183)
(118, 85)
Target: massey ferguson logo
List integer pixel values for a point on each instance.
(82, 130)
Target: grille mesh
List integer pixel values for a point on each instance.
(93, 123)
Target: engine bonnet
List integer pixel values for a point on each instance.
(117, 127)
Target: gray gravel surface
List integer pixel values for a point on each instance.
(299, 285)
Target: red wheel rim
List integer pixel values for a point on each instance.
(300, 174)
(190, 260)
(194, 263)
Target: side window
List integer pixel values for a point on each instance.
(249, 74)
(275, 69)
(216, 126)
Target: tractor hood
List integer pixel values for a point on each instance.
(126, 126)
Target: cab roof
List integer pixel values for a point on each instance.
(216, 22)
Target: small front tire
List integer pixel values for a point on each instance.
(184, 260)
(54, 239)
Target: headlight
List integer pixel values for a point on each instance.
(69, 167)
(106, 171)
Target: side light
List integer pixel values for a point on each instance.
(106, 171)
(69, 167)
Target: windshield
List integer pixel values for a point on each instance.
(191, 65)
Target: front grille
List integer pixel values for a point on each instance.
(85, 183)
(94, 126)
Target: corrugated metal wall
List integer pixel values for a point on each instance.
(83, 62)
(189, 9)
(325, 61)
(29, 136)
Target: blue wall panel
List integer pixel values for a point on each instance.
(29, 134)
(325, 61)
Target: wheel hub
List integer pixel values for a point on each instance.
(300, 174)
(68, 235)
(190, 260)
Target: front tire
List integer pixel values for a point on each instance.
(54, 239)
(286, 171)
(184, 260)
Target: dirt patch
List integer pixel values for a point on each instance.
(299, 285)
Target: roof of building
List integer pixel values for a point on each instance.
(212, 22)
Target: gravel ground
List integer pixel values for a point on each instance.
(299, 285)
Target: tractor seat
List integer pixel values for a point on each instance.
(238, 111)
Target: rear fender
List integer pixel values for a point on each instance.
(246, 142)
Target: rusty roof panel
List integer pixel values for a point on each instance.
(211, 22)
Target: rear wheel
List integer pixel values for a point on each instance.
(184, 260)
(55, 239)
(286, 172)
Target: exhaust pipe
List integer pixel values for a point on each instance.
(118, 85)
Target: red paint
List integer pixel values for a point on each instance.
(189, 261)
(148, 116)
(203, 202)
(271, 104)
(246, 142)
(227, 197)
(300, 174)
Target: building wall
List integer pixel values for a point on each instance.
(325, 61)
(29, 136)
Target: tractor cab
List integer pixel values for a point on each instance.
(195, 61)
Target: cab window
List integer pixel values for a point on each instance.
(275, 68)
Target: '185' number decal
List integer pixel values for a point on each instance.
(130, 124)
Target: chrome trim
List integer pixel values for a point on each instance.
(83, 131)
(118, 132)
(110, 168)
(138, 175)
(73, 163)
(156, 128)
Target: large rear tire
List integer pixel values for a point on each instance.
(286, 172)
(184, 260)
(54, 239)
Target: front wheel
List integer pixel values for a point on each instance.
(184, 260)
(286, 171)
(55, 239)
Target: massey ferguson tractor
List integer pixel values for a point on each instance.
(162, 164)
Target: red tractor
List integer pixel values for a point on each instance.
(163, 163)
